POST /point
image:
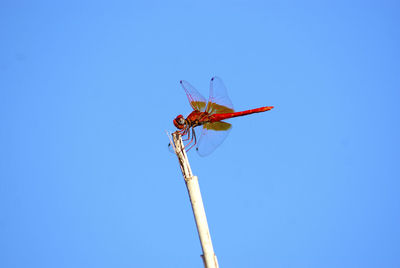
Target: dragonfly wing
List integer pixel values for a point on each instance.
(212, 135)
(196, 100)
(219, 101)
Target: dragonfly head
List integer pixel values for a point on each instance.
(179, 122)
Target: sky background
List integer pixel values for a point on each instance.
(88, 89)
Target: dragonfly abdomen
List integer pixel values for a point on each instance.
(219, 117)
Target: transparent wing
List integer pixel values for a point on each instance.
(212, 135)
(196, 100)
(219, 101)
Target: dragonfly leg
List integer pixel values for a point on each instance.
(193, 138)
(184, 133)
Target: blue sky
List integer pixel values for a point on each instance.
(87, 91)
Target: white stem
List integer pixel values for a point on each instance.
(192, 185)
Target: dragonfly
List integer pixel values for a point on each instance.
(204, 126)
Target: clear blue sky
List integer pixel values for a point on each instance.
(87, 91)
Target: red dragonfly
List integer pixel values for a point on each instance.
(208, 117)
